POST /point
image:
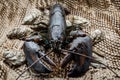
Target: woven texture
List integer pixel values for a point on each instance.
(102, 14)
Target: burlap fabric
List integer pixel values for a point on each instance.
(102, 14)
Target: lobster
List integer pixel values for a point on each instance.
(78, 42)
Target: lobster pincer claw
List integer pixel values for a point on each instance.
(83, 46)
(80, 45)
(32, 53)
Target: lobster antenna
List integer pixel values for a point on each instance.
(33, 64)
(91, 59)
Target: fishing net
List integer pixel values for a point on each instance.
(102, 14)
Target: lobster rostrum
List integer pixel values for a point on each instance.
(77, 41)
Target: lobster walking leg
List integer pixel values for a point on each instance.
(66, 60)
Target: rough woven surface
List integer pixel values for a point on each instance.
(103, 15)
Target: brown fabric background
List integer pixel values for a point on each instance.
(103, 15)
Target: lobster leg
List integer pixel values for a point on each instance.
(66, 60)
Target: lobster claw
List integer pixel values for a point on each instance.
(32, 53)
(81, 63)
(81, 45)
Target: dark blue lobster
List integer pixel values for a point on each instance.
(77, 41)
